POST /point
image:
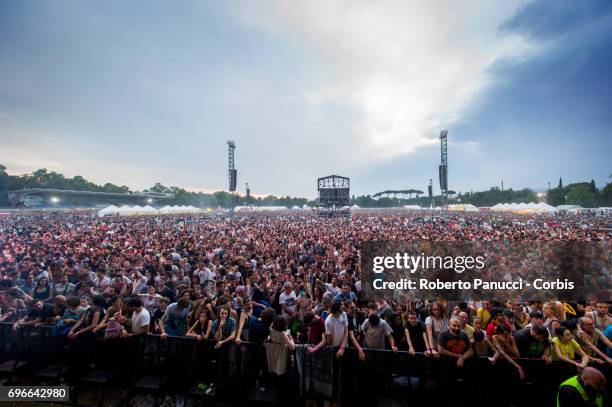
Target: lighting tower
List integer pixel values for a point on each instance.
(232, 173)
(443, 169)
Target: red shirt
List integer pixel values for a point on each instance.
(491, 328)
(316, 331)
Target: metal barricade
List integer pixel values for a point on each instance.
(184, 365)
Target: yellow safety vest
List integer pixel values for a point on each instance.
(573, 382)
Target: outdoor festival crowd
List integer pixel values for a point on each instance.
(287, 279)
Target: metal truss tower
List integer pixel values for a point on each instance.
(232, 176)
(443, 169)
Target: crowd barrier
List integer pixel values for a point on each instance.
(187, 366)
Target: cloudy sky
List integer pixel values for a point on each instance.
(144, 91)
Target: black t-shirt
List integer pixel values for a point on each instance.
(45, 312)
(201, 329)
(90, 314)
(351, 323)
(456, 344)
(259, 295)
(276, 305)
(528, 346)
(416, 336)
(258, 331)
(169, 293)
(156, 316)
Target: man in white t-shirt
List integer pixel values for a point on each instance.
(336, 328)
(333, 288)
(204, 274)
(140, 284)
(288, 302)
(141, 319)
(102, 281)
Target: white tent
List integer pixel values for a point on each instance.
(462, 208)
(531, 207)
(412, 207)
(260, 208)
(500, 207)
(296, 208)
(544, 207)
(355, 206)
(149, 210)
(167, 209)
(270, 208)
(568, 207)
(124, 210)
(305, 206)
(134, 210)
(109, 210)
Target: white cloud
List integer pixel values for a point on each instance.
(409, 69)
(26, 156)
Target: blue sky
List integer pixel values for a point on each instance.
(145, 91)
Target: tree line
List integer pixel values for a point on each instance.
(43, 178)
(585, 194)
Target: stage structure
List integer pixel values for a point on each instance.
(334, 195)
(443, 168)
(232, 172)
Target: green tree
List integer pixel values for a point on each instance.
(583, 196)
(222, 198)
(159, 188)
(108, 187)
(555, 197)
(606, 195)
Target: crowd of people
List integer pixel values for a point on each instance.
(287, 278)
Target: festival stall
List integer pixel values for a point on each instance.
(524, 208)
(462, 208)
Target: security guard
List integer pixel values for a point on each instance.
(586, 389)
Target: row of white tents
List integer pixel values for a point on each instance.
(452, 207)
(259, 208)
(531, 207)
(525, 208)
(127, 210)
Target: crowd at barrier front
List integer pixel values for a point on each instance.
(282, 281)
